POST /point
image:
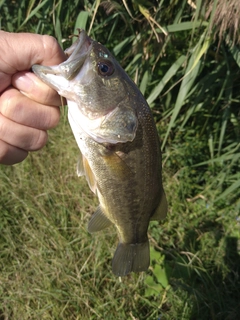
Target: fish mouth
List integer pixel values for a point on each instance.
(113, 125)
(58, 77)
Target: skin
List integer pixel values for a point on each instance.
(28, 107)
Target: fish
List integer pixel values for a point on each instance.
(120, 154)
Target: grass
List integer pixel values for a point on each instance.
(50, 267)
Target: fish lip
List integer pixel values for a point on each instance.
(83, 42)
(76, 54)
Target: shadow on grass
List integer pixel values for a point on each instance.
(211, 276)
(199, 276)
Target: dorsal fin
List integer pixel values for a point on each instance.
(161, 211)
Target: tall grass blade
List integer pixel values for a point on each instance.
(144, 82)
(81, 21)
(234, 49)
(119, 47)
(188, 80)
(183, 26)
(58, 30)
(166, 78)
(33, 13)
(230, 190)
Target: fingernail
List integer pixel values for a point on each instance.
(24, 82)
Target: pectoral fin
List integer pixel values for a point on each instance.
(80, 169)
(98, 221)
(161, 211)
(117, 166)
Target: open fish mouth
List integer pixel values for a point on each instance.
(58, 76)
(81, 45)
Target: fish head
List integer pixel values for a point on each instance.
(100, 93)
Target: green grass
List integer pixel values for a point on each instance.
(50, 267)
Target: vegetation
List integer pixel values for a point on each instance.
(185, 57)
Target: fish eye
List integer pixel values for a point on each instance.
(105, 68)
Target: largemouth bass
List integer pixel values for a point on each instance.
(120, 151)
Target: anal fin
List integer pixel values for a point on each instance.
(98, 221)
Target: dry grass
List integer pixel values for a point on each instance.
(225, 19)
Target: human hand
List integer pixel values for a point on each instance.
(28, 107)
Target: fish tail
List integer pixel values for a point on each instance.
(131, 258)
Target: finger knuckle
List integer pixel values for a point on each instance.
(10, 155)
(3, 151)
(3, 126)
(39, 140)
(7, 104)
(50, 44)
(53, 120)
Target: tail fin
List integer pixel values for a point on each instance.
(131, 258)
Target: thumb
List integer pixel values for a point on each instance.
(22, 50)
